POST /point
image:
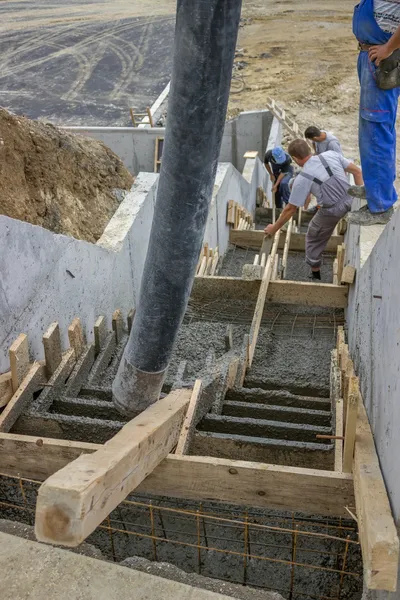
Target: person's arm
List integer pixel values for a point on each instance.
(270, 173)
(356, 172)
(277, 182)
(379, 53)
(285, 216)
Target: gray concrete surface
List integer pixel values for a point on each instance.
(34, 571)
(373, 318)
(135, 146)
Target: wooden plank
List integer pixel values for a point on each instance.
(252, 484)
(377, 530)
(209, 289)
(214, 263)
(340, 259)
(339, 434)
(52, 349)
(76, 337)
(35, 377)
(118, 325)
(100, 334)
(348, 275)
(251, 154)
(208, 266)
(6, 390)
(19, 360)
(75, 500)
(351, 423)
(287, 247)
(274, 275)
(203, 266)
(253, 239)
(307, 294)
(335, 272)
(262, 295)
(196, 478)
(130, 319)
(188, 423)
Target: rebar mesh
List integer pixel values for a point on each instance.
(296, 556)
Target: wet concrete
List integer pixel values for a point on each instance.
(298, 270)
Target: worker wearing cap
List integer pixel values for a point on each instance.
(322, 140)
(376, 25)
(279, 166)
(325, 177)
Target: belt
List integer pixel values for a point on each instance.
(365, 47)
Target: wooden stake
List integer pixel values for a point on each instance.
(348, 275)
(52, 349)
(286, 248)
(35, 377)
(100, 334)
(76, 337)
(19, 360)
(188, 423)
(118, 325)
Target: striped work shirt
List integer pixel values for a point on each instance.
(387, 14)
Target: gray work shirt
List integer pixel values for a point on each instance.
(330, 143)
(302, 187)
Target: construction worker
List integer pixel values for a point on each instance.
(325, 177)
(279, 166)
(376, 25)
(322, 140)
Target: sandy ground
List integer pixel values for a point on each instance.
(304, 56)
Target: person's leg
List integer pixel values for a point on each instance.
(377, 143)
(319, 231)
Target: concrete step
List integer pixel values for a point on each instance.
(317, 390)
(265, 450)
(87, 407)
(277, 398)
(263, 429)
(279, 413)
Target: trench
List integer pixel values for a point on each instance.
(274, 418)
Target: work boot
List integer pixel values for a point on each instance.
(315, 276)
(357, 191)
(365, 217)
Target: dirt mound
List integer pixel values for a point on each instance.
(63, 182)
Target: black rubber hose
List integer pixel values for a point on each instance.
(205, 40)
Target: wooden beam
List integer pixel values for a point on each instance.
(287, 247)
(75, 500)
(307, 294)
(351, 423)
(19, 360)
(52, 349)
(377, 530)
(100, 334)
(253, 239)
(252, 484)
(188, 423)
(210, 289)
(35, 377)
(262, 295)
(195, 477)
(118, 325)
(76, 337)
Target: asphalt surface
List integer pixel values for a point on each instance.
(77, 70)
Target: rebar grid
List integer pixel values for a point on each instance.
(279, 322)
(203, 539)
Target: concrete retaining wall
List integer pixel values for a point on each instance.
(373, 318)
(47, 277)
(135, 146)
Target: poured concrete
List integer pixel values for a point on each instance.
(34, 571)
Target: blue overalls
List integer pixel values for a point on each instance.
(378, 111)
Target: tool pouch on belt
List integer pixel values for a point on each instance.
(388, 73)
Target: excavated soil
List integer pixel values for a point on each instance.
(63, 182)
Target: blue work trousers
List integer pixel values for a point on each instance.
(377, 137)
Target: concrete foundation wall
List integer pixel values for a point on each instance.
(47, 277)
(373, 318)
(135, 146)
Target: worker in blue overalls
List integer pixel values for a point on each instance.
(376, 27)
